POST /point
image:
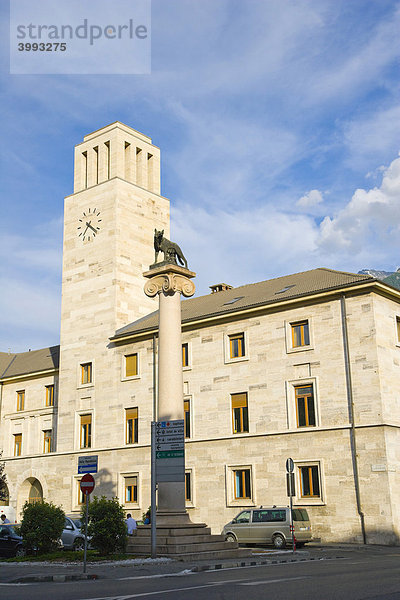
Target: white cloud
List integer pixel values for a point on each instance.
(369, 224)
(312, 198)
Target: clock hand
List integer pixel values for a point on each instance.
(92, 228)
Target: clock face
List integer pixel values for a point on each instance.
(89, 224)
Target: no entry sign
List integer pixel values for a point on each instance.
(87, 484)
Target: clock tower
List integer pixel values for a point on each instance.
(109, 224)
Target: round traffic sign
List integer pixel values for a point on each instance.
(289, 465)
(87, 484)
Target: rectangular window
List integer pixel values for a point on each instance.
(242, 483)
(86, 431)
(240, 416)
(305, 406)
(17, 444)
(185, 355)
(47, 441)
(188, 486)
(300, 334)
(49, 395)
(236, 345)
(80, 494)
(21, 400)
(309, 482)
(130, 489)
(186, 405)
(132, 430)
(398, 329)
(86, 373)
(131, 365)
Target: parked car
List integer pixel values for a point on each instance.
(10, 542)
(269, 525)
(72, 537)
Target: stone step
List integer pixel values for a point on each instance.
(172, 549)
(173, 531)
(181, 539)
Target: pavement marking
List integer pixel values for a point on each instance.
(11, 584)
(143, 594)
(273, 580)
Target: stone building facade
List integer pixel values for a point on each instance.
(303, 366)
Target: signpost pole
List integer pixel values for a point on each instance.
(86, 527)
(153, 492)
(291, 492)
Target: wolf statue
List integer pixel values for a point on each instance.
(170, 249)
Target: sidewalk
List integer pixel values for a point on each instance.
(161, 567)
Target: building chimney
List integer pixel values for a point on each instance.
(220, 287)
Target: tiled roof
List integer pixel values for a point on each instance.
(12, 365)
(253, 295)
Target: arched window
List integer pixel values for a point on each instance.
(35, 492)
(4, 494)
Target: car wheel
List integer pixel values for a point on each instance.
(79, 544)
(279, 541)
(20, 551)
(230, 538)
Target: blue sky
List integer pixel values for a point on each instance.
(279, 126)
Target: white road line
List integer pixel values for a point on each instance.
(142, 595)
(273, 581)
(14, 584)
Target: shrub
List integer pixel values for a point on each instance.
(106, 525)
(41, 526)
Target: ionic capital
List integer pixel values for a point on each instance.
(169, 284)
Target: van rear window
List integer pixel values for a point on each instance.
(300, 514)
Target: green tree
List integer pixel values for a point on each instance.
(41, 526)
(106, 525)
(3, 483)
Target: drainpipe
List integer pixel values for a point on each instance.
(350, 402)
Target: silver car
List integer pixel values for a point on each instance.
(269, 525)
(72, 537)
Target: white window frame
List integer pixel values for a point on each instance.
(124, 377)
(189, 366)
(121, 490)
(231, 501)
(397, 340)
(75, 491)
(191, 503)
(291, 402)
(288, 334)
(300, 500)
(78, 415)
(227, 349)
(79, 374)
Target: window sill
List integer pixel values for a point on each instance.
(309, 502)
(188, 368)
(229, 361)
(85, 386)
(299, 349)
(132, 377)
(241, 503)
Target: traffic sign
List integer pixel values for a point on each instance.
(87, 464)
(290, 465)
(87, 484)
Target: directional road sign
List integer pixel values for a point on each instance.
(87, 464)
(170, 450)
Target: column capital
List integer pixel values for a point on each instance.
(169, 279)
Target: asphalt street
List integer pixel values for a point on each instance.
(351, 574)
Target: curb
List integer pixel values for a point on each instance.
(53, 578)
(253, 563)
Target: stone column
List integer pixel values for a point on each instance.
(169, 281)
